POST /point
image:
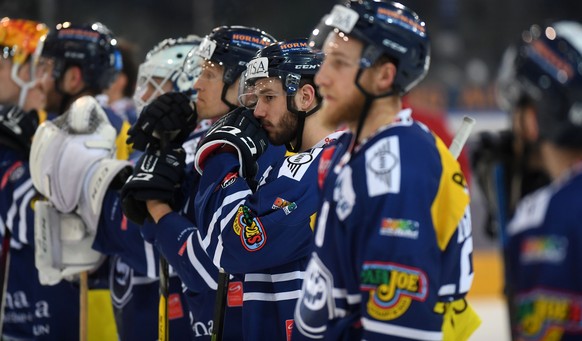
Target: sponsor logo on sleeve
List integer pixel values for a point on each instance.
(543, 249)
(234, 297)
(285, 205)
(399, 228)
(250, 229)
(392, 287)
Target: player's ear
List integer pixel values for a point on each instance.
(384, 75)
(530, 124)
(73, 80)
(305, 97)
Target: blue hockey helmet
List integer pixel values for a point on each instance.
(89, 46)
(385, 28)
(545, 67)
(290, 62)
(231, 47)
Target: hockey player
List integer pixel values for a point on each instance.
(77, 62)
(31, 311)
(225, 51)
(134, 281)
(393, 242)
(264, 236)
(544, 234)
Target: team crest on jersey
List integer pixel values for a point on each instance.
(250, 229)
(296, 165)
(285, 205)
(316, 302)
(543, 249)
(399, 228)
(383, 167)
(392, 287)
(546, 315)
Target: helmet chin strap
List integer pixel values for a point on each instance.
(301, 116)
(231, 106)
(369, 99)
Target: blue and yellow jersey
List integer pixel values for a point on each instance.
(392, 240)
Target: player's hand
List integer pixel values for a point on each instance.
(17, 127)
(157, 176)
(171, 113)
(237, 132)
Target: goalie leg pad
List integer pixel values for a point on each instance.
(62, 244)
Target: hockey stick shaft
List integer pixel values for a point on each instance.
(461, 136)
(220, 305)
(163, 323)
(4, 271)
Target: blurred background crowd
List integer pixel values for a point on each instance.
(468, 36)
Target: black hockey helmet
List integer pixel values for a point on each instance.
(546, 68)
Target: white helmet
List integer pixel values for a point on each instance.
(164, 62)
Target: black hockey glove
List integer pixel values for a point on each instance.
(157, 176)
(171, 114)
(17, 128)
(240, 131)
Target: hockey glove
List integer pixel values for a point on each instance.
(157, 176)
(17, 128)
(171, 113)
(239, 130)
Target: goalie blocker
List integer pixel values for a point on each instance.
(72, 163)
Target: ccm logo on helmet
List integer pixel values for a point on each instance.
(305, 67)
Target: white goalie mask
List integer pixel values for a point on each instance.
(162, 71)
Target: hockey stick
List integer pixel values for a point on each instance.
(219, 306)
(461, 136)
(163, 323)
(83, 304)
(4, 270)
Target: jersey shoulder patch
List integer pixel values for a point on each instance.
(296, 166)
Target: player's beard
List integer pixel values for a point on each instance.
(346, 111)
(286, 130)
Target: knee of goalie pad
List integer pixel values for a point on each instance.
(65, 150)
(63, 245)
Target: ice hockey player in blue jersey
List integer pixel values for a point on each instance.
(134, 280)
(225, 52)
(544, 235)
(393, 246)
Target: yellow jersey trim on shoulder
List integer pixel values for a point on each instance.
(452, 198)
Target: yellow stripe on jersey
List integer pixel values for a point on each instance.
(312, 221)
(123, 149)
(459, 321)
(452, 197)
